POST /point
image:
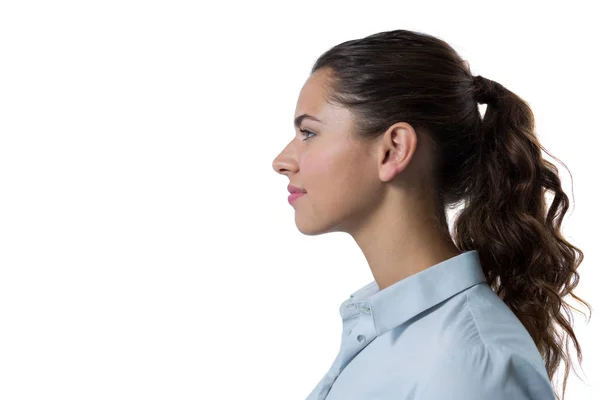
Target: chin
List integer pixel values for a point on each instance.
(314, 228)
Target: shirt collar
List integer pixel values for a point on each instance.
(416, 293)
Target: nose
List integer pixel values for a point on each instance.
(284, 165)
(284, 162)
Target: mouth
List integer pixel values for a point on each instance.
(294, 196)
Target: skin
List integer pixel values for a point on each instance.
(377, 192)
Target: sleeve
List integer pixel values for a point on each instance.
(487, 373)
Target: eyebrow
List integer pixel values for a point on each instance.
(302, 117)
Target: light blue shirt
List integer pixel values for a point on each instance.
(440, 334)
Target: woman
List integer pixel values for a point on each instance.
(389, 135)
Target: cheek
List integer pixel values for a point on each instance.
(334, 177)
(322, 169)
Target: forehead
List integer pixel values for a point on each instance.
(311, 99)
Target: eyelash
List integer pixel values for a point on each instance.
(305, 134)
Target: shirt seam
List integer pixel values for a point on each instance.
(521, 357)
(479, 335)
(464, 350)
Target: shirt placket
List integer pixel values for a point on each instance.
(358, 332)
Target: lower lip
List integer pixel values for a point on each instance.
(292, 197)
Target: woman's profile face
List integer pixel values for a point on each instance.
(336, 171)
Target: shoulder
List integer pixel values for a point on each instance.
(486, 372)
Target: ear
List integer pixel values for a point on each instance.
(396, 148)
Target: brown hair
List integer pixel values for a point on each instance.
(493, 165)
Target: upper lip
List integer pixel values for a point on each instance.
(294, 189)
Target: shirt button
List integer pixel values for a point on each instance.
(360, 338)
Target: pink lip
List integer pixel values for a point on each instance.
(293, 189)
(292, 197)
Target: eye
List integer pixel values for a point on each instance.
(305, 133)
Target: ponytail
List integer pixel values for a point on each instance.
(526, 259)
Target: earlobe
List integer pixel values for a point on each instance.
(388, 172)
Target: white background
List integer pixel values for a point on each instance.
(147, 248)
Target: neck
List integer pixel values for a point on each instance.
(399, 244)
